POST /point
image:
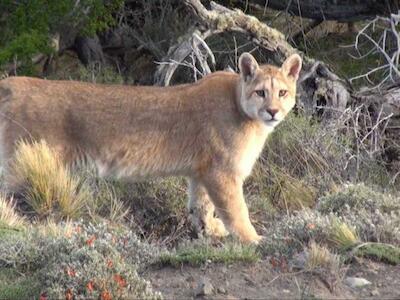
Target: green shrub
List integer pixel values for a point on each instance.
(375, 215)
(28, 25)
(292, 233)
(381, 252)
(14, 286)
(158, 207)
(342, 221)
(87, 261)
(202, 252)
(357, 197)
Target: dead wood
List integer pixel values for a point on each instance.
(345, 10)
(319, 88)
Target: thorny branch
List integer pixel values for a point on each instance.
(380, 45)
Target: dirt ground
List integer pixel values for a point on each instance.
(260, 281)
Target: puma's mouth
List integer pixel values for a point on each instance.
(272, 122)
(267, 118)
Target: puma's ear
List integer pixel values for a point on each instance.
(292, 66)
(248, 66)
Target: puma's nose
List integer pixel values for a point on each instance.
(272, 111)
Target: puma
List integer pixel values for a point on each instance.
(211, 131)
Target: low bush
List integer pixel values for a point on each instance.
(342, 221)
(375, 215)
(159, 207)
(378, 251)
(202, 252)
(82, 261)
(28, 25)
(292, 233)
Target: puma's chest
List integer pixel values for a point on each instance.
(250, 149)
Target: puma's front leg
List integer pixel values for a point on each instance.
(201, 211)
(226, 192)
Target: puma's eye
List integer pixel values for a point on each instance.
(260, 93)
(282, 93)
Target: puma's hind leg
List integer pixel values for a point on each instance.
(202, 211)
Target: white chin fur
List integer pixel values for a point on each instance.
(272, 123)
(267, 119)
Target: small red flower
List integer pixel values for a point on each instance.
(109, 263)
(43, 296)
(274, 262)
(90, 241)
(279, 263)
(105, 295)
(69, 295)
(120, 280)
(90, 286)
(310, 226)
(71, 272)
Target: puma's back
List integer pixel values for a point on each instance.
(126, 130)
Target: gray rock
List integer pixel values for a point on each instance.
(299, 260)
(375, 293)
(356, 282)
(221, 290)
(204, 288)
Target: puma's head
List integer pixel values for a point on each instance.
(267, 93)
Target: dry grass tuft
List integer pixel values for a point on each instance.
(8, 215)
(47, 185)
(320, 257)
(328, 266)
(52, 228)
(105, 201)
(342, 236)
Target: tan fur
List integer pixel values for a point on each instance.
(209, 131)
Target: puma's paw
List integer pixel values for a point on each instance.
(215, 227)
(252, 239)
(259, 240)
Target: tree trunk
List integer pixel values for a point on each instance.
(89, 50)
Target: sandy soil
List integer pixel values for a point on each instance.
(261, 281)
